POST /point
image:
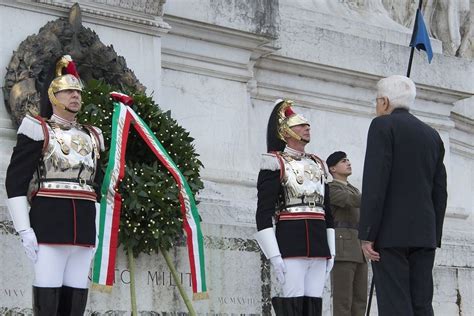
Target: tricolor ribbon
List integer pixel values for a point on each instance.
(109, 219)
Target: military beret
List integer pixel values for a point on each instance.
(335, 157)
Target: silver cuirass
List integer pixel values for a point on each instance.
(303, 183)
(68, 164)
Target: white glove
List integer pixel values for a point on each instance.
(28, 239)
(329, 265)
(331, 235)
(279, 268)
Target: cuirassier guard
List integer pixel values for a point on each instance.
(52, 184)
(293, 194)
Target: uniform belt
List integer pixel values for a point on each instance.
(304, 208)
(73, 180)
(67, 193)
(305, 212)
(312, 200)
(311, 205)
(286, 216)
(344, 224)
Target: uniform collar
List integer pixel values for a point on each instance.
(295, 153)
(340, 181)
(63, 122)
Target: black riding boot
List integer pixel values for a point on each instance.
(312, 306)
(45, 300)
(288, 306)
(73, 301)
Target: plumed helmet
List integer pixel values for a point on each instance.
(68, 81)
(287, 118)
(279, 125)
(66, 78)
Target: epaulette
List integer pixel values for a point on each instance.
(270, 161)
(97, 132)
(33, 127)
(323, 165)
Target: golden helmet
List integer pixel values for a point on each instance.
(68, 81)
(287, 118)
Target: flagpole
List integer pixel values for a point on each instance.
(413, 48)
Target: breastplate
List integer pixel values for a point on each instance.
(303, 182)
(68, 163)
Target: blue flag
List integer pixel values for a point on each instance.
(420, 38)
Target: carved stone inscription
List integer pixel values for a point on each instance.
(237, 283)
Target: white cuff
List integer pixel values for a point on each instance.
(331, 235)
(19, 212)
(267, 241)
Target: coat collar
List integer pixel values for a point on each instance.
(400, 110)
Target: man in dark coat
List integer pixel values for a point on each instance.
(403, 201)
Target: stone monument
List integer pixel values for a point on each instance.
(218, 66)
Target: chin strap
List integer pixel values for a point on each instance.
(69, 110)
(292, 134)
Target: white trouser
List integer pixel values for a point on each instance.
(304, 277)
(60, 265)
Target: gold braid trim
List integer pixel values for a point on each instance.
(200, 296)
(101, 288)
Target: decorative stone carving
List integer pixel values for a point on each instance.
(446, 20)
(143, 16)
(27, 70)
(152, 7)
(449, 21)
(364, 11)
(402, 11)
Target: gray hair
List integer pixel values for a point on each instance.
(399, 90)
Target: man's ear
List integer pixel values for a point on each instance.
(386, 105)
